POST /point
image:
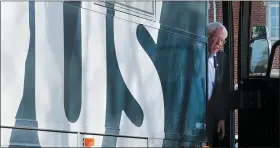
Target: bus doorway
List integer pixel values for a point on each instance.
(242, 19)
(257, 97)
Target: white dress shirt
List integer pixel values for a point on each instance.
(211, 75)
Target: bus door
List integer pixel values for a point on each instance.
(258, 83)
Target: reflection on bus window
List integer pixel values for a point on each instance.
(259, 32)
(259, 57)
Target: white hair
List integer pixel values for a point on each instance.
(211, 27)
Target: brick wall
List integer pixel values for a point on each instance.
(276, 64)
(210, 12)
(258, 14)
(236, 7)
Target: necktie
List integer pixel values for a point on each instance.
(215, 62)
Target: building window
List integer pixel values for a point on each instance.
(273, 20)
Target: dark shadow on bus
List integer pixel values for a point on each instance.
(181, 65)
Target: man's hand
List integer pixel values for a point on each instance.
(221, 129)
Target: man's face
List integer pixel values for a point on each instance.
(216, 40)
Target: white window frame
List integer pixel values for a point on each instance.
(269, 5)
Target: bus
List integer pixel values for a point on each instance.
(104, 74)
(129, 74)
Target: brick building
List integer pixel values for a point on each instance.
(262, 14)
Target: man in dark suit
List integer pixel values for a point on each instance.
(218, 83)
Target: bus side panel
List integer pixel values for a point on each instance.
(133, 80)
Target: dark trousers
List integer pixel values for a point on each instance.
(213, 135)
(211, 126)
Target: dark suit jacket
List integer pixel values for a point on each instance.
(218, 105)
